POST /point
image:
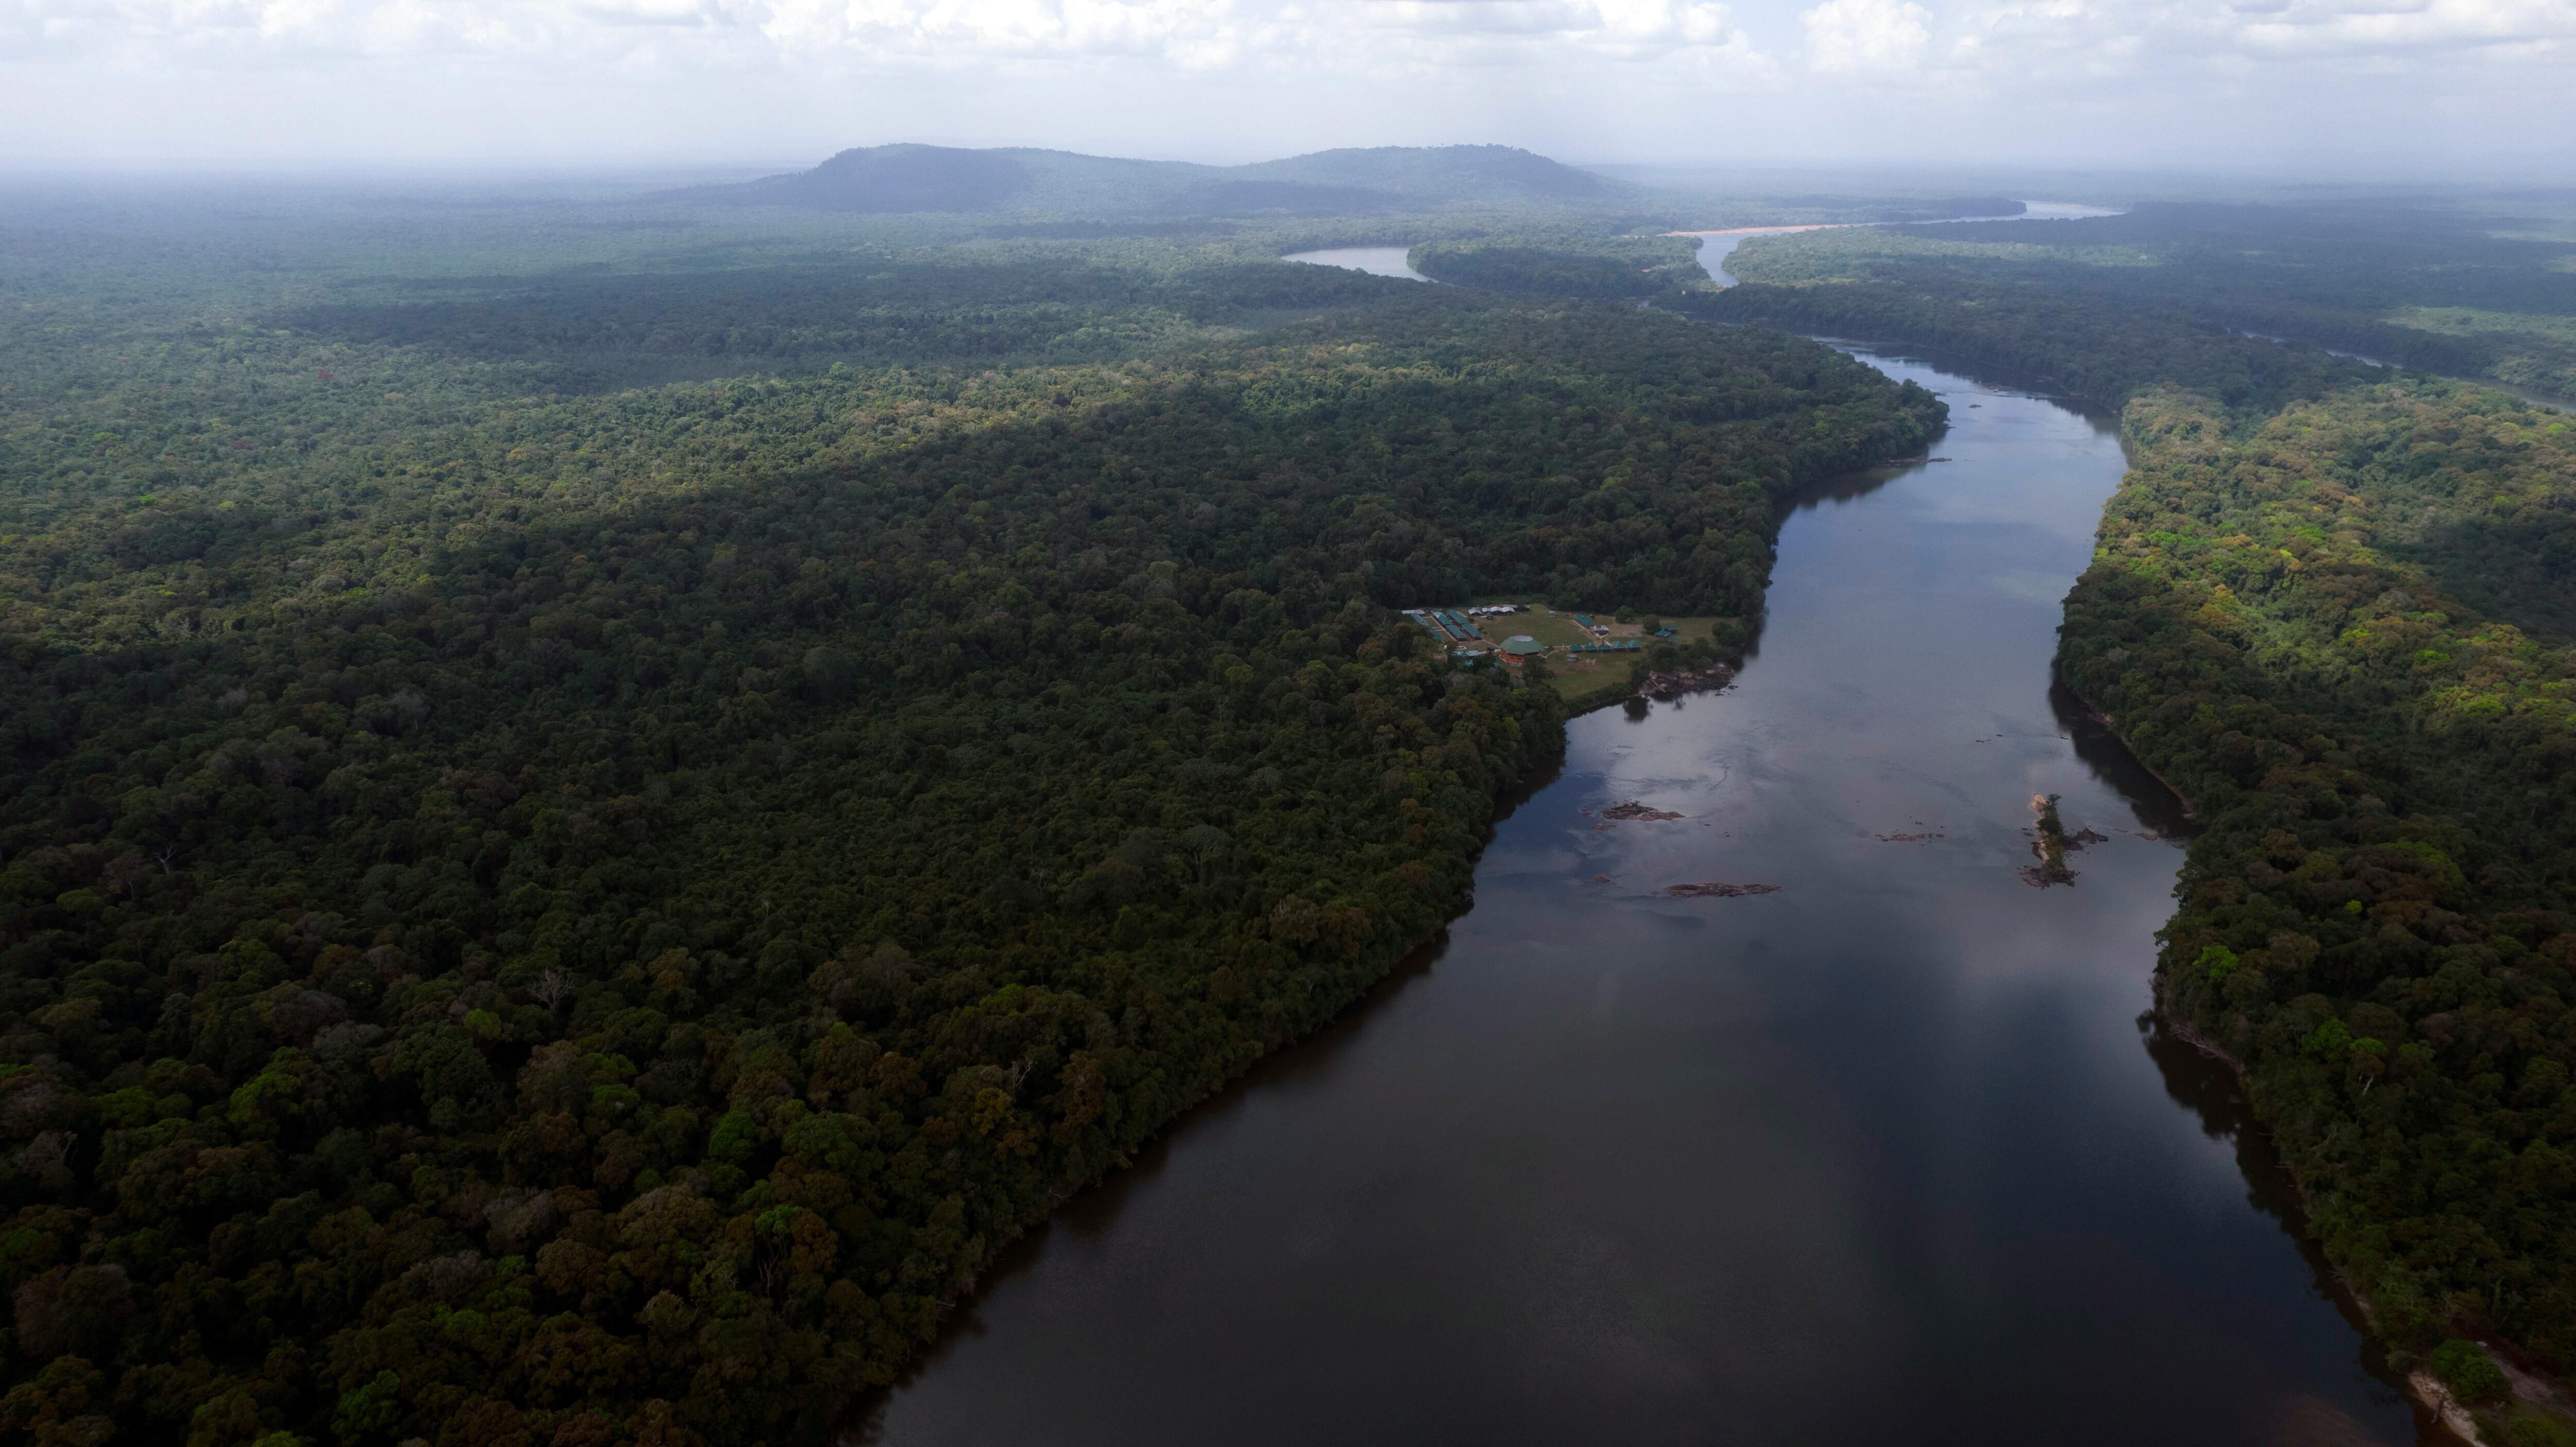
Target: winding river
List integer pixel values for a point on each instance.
(1887, 1156)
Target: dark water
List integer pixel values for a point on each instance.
(1885, 1157)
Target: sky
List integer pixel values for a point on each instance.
(2352, 89)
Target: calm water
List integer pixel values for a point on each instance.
(1375, 260)
(1717, 246)
(1887, 1156)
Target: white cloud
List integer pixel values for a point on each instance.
(2244, 37)
(1415, 36)
(1241, 79)
(1188, 32)
(2309, 27)
(1999, 40)
(1194, 34)
(1867, 35)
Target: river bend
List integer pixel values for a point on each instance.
(1889, 1155)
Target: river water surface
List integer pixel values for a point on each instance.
(1375, 260)
(1888, 1156)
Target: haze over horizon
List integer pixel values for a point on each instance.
(2345, 89)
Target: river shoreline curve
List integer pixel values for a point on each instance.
(1409, 960)
(1875, 1156)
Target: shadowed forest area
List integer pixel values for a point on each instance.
(596, 812)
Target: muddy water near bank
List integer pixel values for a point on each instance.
(1887, 1155)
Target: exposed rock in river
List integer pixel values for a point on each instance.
(1674, 685)
(1634, 810)
(2050, 846)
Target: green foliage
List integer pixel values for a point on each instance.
(1047, 304)
(585, 917)
(2088, 353)
(2390, 838)
(2329, 1042)
(2418, 287)
(2464, 1367)
(2333, 607)
(2051, 843)
(2540, 1432)
(1570, 264)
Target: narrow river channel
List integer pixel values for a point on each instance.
(1888, 1156)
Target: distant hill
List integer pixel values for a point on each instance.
(890, 178)
(1939, 208)
(1448, 173)
(914, 178)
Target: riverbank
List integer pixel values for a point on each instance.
(2290, 949)
(2424, 1390)
(2111, 726)
(2440, 1413)
(1584, 1174)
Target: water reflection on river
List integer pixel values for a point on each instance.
(1877, 1158)
(1375, 260)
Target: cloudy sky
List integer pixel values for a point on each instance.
(2353, 88)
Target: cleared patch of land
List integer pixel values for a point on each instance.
(1585, 680)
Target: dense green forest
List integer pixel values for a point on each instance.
(2091, 354)
(2377, 917)
(2445, 289)
(1566, 261)
(603, 796)
(2336, 607)
(542, 903)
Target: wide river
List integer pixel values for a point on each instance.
(1888, 1156)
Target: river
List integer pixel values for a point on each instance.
(1889, 1155)
(1716, 246)
(1375, 260)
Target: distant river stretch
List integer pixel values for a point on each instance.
(1375, 260)
(1888, 1156)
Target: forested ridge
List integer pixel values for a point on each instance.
(582, 916)
(1047, 303)
(2092, 355)
(2442, 289)
(2336, 608)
